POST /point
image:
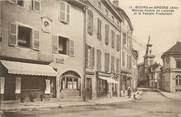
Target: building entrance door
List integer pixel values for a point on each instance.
(9, 91)
(89, 88)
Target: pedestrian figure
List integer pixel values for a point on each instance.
(129, 92)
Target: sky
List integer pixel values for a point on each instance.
(164, 30)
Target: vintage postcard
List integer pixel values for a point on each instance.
(77, 58)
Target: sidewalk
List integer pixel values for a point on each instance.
(29, 106)
(174, 96)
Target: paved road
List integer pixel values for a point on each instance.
(152, 104)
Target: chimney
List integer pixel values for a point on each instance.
(116, 3)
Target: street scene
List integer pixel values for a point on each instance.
(157, 106)
(112, 58)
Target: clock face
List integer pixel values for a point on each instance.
(167, 60)
(46, 23)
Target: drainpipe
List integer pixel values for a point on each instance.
(84, 54)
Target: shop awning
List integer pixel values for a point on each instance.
(22, 68)
(109, 80)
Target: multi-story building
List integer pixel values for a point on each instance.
(25, 52)
(126, 49)
(154, 73)
(141, 79)
(134, 69)
(171, 71)
(64, 49)
(103, 44)
(67, 35)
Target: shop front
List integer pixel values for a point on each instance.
(70, 82)
(125, 82)
(106, 85)
(26, 81)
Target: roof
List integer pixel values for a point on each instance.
(174, 50)
(122, 12)
(21, 68)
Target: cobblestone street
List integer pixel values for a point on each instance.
(152, 104)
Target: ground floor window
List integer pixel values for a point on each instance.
(70, 83)
(178, 80)
(70, 80)
(102, 87)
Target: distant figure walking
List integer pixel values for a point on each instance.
(129, 92)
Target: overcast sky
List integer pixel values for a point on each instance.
(163, 30)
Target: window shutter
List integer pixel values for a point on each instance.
(68, 13)
(36, 40)
(71, 48)
(93, 57)
(90, 22)
(86, 55)
(99, 28)
(113, 38)
(118, 42)
(62, 11)
(106, 34)
(55, 44)
(117, 66)
(13, 31)
(36, 5)
(99, 59)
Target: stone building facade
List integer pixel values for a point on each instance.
(67, 49)
(171, 71)
(67, 35)
(103, 45)
(25, 53)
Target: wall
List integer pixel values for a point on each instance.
(73, 31)
(13, 13)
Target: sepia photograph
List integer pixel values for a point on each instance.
(93, 58)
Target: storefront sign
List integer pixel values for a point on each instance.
(2, 82)
(61, 61)
(18, 85)
(47, 90)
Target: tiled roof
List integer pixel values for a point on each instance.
(174, 50)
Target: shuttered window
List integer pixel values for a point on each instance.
(118, 44)
(113, 38)
(36, 4)
(106, 62)
(23, 36)
(99, 23)
(124, 39)
(64, 15)
(92, 57)
(90, 22)
(123, 59)
(86, 55)
(106, 34)
(36, 40)
(55, 44)
(112, 64)
(117, 65)
(12, 40)
(71, 48)
(99, 60)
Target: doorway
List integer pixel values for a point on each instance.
(89, 88)
(9, 91)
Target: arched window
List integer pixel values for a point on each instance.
(178, 80)
(70, 80)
